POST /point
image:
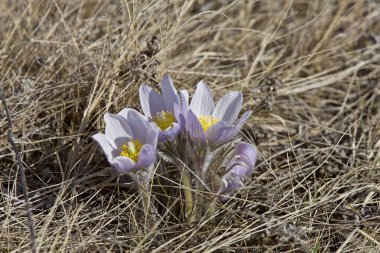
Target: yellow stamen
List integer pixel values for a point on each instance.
(207, 121)
(131, 150)
(164, 120)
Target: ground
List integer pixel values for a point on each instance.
(309, 71)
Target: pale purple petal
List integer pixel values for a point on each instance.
(241, 122)
(181, 121)
(109, 151)
(247, 154)
(228, 107)
(117, 130)
(240, 171)
(184, 107)
(227, 135)
(184, 95)
(194, 127)
(230, 184)
(137, 122)
(202, 102)
(218, 132)
(169, 133)
(244, 160)
(151, 134)
(232, 133)
(147, 156)
(169, 94)
(143, 130)
(151, 101)
(124, 164)
(124, 113)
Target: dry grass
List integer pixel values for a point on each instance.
(315, 64)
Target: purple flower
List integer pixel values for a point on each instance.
(165, 109)
(214, 124)
(240, 167)
(129, 143)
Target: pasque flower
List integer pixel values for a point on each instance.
(164, 109)
(214, 124)
(131, 140)
(129, 143)
(240, 167)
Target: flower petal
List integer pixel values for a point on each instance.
(234, 181)
(137, 122)
(124, 164)
(244, 160)
(117, 130)
(146, 132)
(170, 133)
(169, 94)
(151, 101)
(240, 171)
(151, 134)
(147, 156)
(230, 184)
(218, 132)
(202, 102)
(109, 151)
(194, 127)
(241, 122)
(184, 107)
(228, 107)
(247, 154)
(184, 95)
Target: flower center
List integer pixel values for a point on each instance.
(164, 120)
(131, 150)
(207, 121)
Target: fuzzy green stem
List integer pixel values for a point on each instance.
(188, 194)
(145, 198)
(198, 203)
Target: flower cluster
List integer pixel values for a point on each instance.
(191, 135)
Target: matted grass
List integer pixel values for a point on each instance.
(309, 69)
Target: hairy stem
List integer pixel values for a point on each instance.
(145, 197)
(188, 194)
